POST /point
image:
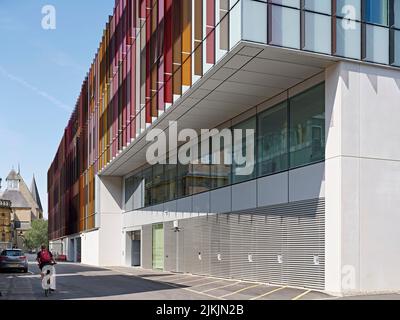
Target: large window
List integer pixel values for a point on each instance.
(201, 178)
(243, 164)
(376, 12)
(348, 38)
(288, 135)
(272, 140)
(396, 14)
(307, 127)
(170, 182)
(133, 192)
(148, 184)
(158, 185)
(396, 47)
(221, 167)
(317, 33)
(377, 44)
(129, 192)
(184, 181)
(285, 25)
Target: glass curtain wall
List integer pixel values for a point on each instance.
(288, 135)
(357, 29)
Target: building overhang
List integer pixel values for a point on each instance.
(245, 77)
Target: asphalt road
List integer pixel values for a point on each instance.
(80, 282)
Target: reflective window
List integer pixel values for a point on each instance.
(201, 175)
(317, 33)
(376, 12)
(148, 184)
(349, 9)
(396, 48)
(158, 184)
(322, 6)
(396, 13)
(377, 44)
(348, 38)
(221, 167)
(254, 21)
(129, 191)
(184, 182)
(285, 26)
(272, 140)
(170, 182)
(243, 165)
(307, 127)
(288, 135)
(288, 3)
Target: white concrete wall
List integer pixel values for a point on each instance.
(362, 179)
(110, 210)
(90, 248)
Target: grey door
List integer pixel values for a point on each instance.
(136, 249)
(78, 245)
(135, 253)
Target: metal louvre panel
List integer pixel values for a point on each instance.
(205, 230)
(215, 236)
(242, 245)
(305, 238)
(223, 265)
(181, 250)
(189, 245)
(147, 249)
(269, 244)
(197, 246)
(283, 244)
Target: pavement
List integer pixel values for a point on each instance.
(80, 282)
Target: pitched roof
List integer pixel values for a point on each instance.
(35, 194)
(16, 198)
(13, 175)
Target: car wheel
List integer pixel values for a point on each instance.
(25, 270)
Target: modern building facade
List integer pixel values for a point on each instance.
(319, 84)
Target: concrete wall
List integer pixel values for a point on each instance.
(362, 179)
(110, 212)
(103, 246)
(90, 248)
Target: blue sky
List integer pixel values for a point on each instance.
(41, 73)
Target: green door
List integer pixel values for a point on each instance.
(158, 246)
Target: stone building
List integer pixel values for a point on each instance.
(5, 224)
(25, 205)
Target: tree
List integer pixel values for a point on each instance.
(37, 235)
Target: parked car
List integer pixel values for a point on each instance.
(13, 259)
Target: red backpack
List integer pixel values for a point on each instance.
(45, 256)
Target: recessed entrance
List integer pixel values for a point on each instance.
(136, 249)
